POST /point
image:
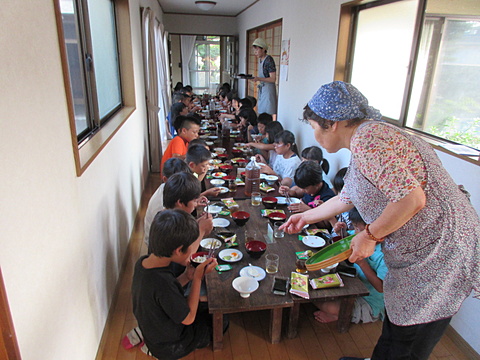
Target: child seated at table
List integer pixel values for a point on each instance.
(171, 166)
(342, 225)
(371, 271)
(316, 154)
(262, 120)
(198, 160)
(248, 118)
(310, 186)
(181, 191)
(267, 149)
(172, 325)
(187, 128)
(286, 160)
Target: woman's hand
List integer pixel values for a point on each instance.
(294, 224)
(362, 247)
(298, 207)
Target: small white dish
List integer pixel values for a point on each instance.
(271, 179)
(230, 255)
(213, 137)
(213, 209)
(220, 150)
(219, 175)
(210, 243)
(223, 189)
(217, 182)
(255, 272)
(313, 241)
(221, 222)
(209, 143)
(329, 268)
(263, 176)
(245, 285)
(283, 200)
(215, 161)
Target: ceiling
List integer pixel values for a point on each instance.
(223, 7)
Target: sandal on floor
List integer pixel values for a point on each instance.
(133, 338)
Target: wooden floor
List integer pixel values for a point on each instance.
(248, 332)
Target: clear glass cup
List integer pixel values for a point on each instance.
(250, 235)
(271, 263)
(256, 199)
(276, 229)
(301, 266)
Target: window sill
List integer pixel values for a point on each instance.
(442, 146)
(90, 148)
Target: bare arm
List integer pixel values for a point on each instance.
(371, 275)
(261, 146)
(271, 79)
(395, 215)
(194, 295)
(325, 211)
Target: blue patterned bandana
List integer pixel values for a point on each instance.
(338, 101)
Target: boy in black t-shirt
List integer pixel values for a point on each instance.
(170, 323)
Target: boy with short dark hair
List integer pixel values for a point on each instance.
(310, 186)
(170, 323)
(198, 159)
(187, 129)
(171, 166)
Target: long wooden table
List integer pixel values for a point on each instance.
(223, 299)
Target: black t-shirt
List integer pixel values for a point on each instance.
(160, 307)
(325, 194)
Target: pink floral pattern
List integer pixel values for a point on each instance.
(389, 160)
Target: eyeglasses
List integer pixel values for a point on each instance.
(277, 145)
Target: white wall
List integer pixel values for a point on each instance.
(63, 237)
(312, 29)
(200, 24)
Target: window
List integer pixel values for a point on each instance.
(96, 54)
(417, 61)
(446, 91)
(205, 64)
(93, 65)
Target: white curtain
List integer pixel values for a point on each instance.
(187, 43)
(155, 84)
(163, 80)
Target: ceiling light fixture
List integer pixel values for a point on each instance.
(205, 5)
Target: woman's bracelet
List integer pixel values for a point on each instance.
(370, 235)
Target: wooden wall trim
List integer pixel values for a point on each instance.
(8, 341)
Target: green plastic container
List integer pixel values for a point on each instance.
(331, 251)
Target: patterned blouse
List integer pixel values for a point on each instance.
(433, 259)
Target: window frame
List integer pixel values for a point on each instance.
(208, 42)
(89, 147)
(344, 56)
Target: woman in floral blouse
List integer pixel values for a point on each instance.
(428, 229)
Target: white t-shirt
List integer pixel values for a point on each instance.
(154, 206)
(285, 168)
